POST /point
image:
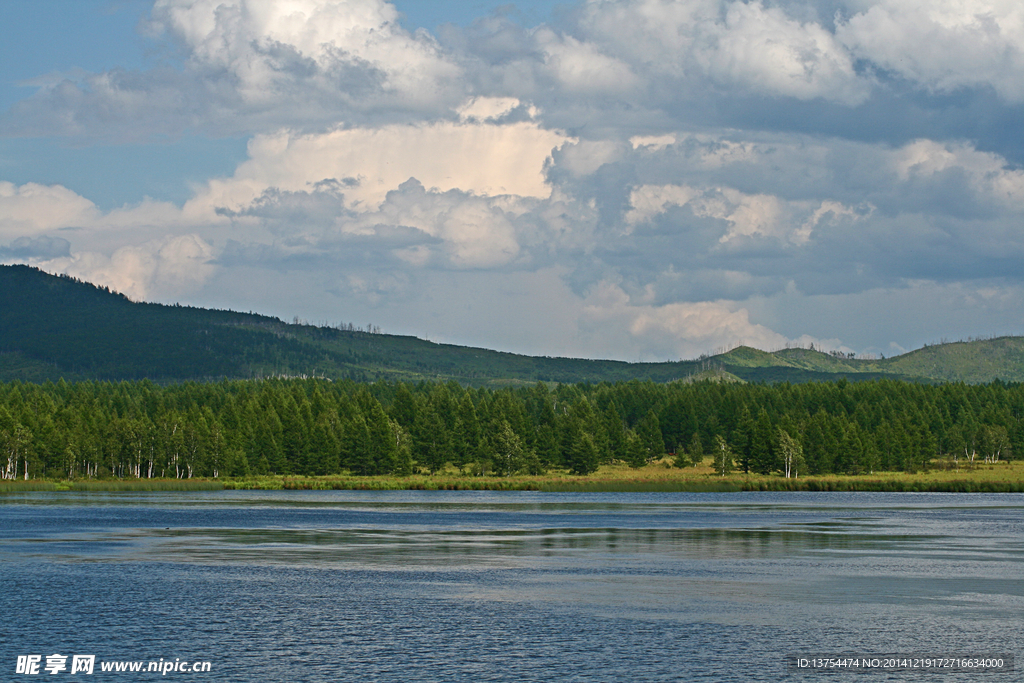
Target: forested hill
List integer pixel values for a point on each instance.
(57, 327)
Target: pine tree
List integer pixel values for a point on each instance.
(636, 453)
(615, 430)
(356, 446)
(383, 444)
(762, 450)
(650, 435)
(695, 451)
(583, 457)
(431, 440)
(403, 408)
(547, 446)
(743, 439)
(466, 435)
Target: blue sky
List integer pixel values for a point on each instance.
(635, 179)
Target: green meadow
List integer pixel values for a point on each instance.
(1004, 477)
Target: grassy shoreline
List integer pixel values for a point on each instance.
(1006, 477)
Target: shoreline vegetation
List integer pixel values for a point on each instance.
(1004, 477)
(635, 436)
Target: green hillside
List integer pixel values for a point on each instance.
(971, 362)
(57, 327)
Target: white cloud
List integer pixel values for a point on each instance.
(648, 201)
(747, 215)
(681, 330)
(784, 50)
(667, 165)
(260, 65)
(474, 232)
(769, 52)
(653, 142)
(581, 67)
(32, 208)
(827, 214)
(479, 158)
(137, 250)
(482, 109)
(943, 44)
(156, 270)
(759, 48)
(255, 66)
(583, 157)
(986, 173)
(268, 44)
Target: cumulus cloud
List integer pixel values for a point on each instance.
(156, 270)
(254, 65)
(688, 258)
(744, 215)
(367, 163)
(660, 177)
(581, 67)
(474, 232)
(413, 227)
(677, 329)
(133, 249)
(769, 52)
(270, 46)
(944, 45)
(732, 43)
(985, 174)
(33, 208)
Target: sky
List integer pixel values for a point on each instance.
(628, 179)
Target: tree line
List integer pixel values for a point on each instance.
(319, 427)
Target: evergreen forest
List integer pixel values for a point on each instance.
(318, 427)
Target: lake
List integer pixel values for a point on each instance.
(511, 586)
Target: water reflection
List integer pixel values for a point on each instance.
(513, 547)
(419, 586)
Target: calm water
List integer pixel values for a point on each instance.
(462, 586)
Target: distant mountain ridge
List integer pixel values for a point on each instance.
(54, 327)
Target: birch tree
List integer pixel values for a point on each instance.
(722, 456)
(15, 445)
(792, 454)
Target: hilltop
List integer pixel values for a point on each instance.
(54, 327)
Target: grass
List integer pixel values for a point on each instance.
(112, 485)
(1006, 477)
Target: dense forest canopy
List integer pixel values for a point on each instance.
(318, 427)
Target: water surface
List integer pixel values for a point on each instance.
(510, 586)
